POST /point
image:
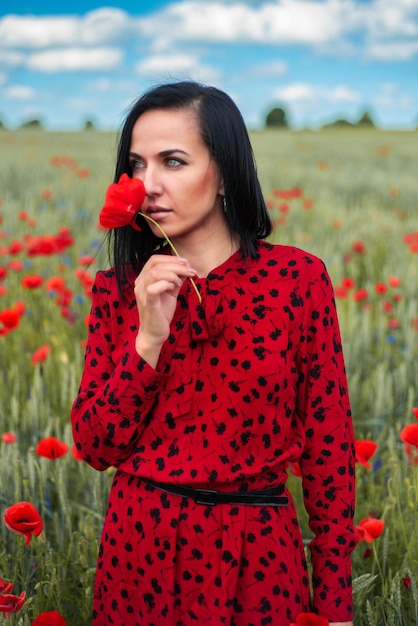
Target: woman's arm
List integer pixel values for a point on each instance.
(117, 388)
(328, 459)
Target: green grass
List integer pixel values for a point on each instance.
(363, 187)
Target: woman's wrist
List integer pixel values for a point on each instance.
(147, 350)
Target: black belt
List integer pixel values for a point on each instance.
(209, 497)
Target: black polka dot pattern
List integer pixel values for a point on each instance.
(250, 380)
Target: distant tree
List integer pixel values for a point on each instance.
(340, 123)
(89, 125)
(2, 126)
(276, 118)
(32, 124)
(366, 120)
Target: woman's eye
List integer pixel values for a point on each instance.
(172, 162)
(136, 165)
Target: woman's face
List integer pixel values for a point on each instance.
(183, 186)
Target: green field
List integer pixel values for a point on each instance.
(349, 196)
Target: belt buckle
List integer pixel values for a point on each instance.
(205, 496)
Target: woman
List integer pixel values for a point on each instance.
(205, 375)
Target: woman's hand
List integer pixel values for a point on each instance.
(156, 290)
(341, 624)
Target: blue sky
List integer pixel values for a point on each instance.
(319, 59)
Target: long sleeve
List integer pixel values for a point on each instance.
(328, 459)
(118, 388)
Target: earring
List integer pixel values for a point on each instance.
(224, 203)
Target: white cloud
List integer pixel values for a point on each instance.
(11, 58)
(393, 51)
(303, 93)
(3, 78)
(281, 22)
(75, 59)
(386, 19)
(166, 63)
(329, 26)
(28, 32)
(19, 92)
(37, 32)
(179, 64)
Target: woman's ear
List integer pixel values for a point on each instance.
(221, 188)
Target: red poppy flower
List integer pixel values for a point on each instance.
(64, 239)
(10, 603)
(15, 266)
(83, 172)
(46, 194)
(310, 619)
(3, 272)
(295, 469)
(360, 294)
(409, 434)
(42, 245)
(32, 282)
(370, 529)
(380, 288)
(15, 248)
(348, 282)
(415, 412)
(394, 281)
(365, 448)
(340, 292)
(51, 618)
(5, 587)
(10, 318)
(41, 354)
(123, 201)
(86, 259)
(359, 247)
(51, 448)
(24, 519)
(55, 283)
(75, 453)
(8, 438)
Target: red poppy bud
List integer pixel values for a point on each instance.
(123, 201)
(407, 582)
(24, 519)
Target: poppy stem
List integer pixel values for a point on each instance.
(170, 243)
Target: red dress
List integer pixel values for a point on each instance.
(250, 380)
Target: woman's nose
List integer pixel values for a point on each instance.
(151, 180)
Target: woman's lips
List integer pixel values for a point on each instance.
(157, 212)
